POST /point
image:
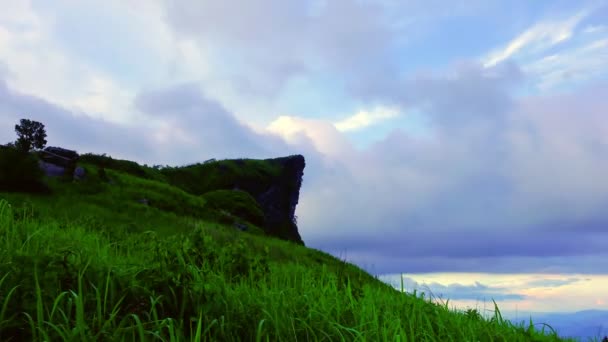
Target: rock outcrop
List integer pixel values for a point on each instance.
(57, 161)
(280, 199)
(273, 183)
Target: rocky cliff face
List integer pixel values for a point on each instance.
(280, 199)
(273, 183)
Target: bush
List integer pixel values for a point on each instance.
(238, 203)
(19, 171)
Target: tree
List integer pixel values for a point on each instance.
(31, 134)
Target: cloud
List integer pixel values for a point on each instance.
(591, 29)
(553, 282)
(581, 63)
(38, 65)
(357, 46)
(365, 119)
(335, 34)
(203, 127)
(464, 96)
(65, 128)
(319, 133)
(454, 291)
(559, 53)
(493, 182)
(540, 36)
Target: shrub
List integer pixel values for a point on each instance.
(238, 203)
(19, 171)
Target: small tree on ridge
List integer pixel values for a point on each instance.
(31, 134)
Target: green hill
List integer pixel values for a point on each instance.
(154, 254)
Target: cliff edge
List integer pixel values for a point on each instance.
(274, 184)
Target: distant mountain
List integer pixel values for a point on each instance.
(582, 324)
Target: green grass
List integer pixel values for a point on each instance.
(90, 263)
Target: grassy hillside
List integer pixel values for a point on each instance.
(127, 256)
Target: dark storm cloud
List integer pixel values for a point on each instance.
(461, 243)
(377, 263)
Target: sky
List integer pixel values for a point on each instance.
(441, 138)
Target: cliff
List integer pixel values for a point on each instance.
(273, 183)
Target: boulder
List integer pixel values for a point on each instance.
(240, 226)
(59, 156)
(55, 159)
(79, 173)
(51, 170)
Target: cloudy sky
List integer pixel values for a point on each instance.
(462, 137)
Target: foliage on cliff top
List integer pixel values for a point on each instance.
(224, 174)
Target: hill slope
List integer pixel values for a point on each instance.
(132, 257)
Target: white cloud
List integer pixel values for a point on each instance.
(364, 118)
(38, 65)
(557, 54)
(319, 133)
(586, 61)
(537, 38)
(591, 29)
(539, 292)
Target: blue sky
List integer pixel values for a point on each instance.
(470, 137)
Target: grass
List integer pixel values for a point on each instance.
(90, 263)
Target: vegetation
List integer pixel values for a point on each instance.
(103, 162)
(234, 203)
(19, 171)
(201, 178)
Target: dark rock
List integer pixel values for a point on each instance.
(143, 201)
(240, 226)
(51, 170)
(278, 197)
(59, 156)
(279, 201)
(79, 173)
